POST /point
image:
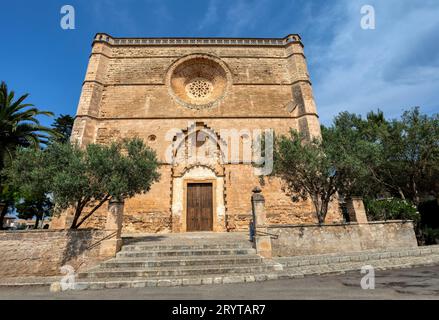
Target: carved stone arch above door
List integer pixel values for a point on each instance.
(198, 144)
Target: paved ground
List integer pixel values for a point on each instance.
(415, 283)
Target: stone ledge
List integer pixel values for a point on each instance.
(337, 224)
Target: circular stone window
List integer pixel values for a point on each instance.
(198, 81)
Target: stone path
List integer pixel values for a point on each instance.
(414, 283)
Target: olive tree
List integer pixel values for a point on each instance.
(318, 169)
(85, 179)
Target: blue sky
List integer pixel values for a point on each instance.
(393, 67)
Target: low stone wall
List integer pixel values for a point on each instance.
(44, 252)
(293, 240)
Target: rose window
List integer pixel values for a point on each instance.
(198, 81)
(199, 88)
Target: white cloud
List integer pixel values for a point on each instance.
(392, 67)
(242, 16)
(211, 16)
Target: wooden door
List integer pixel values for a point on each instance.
(199, 207)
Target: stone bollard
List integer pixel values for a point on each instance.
(356, 210)
(262, 239)
(111, 246)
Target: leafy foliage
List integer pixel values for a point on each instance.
(38, 208)
(81, 178)
(404, 157)
(391, 209)
(62, 125)
(19, 126)
(367, 157)
(32, 193)
(318, 169)
(430, 236)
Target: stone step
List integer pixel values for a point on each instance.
(174, 247)
(184, 253)
(165, 272)
(185, 261)
(289, 273)
(113, 283)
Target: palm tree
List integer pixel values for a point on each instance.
(19, 127)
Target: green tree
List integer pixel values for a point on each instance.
(63, 125)
(412, 155)
(87, 178)
(318, 169)
(19, 127)
(363, 140)
(405, 158)
(31, 185)
(38, 208)
(407, 164)
(8, 196)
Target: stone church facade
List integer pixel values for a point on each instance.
(193, 100)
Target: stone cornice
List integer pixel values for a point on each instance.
(197, 117)
(277, 42)
(163, 84)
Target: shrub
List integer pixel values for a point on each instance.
(430, 236)
(391, 209)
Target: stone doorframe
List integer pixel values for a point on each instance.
(197, 174)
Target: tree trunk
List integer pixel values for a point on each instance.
(37, 221)
(321, 207)
(401, 193)
(93, 210)
(3, 214)
(76, 218)
(323, 211)
(79, 207)
(416, 199)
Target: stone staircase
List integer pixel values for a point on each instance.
(170, 260)
(222, 258)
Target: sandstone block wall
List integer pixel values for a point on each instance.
(43, 253)
(290, 240)
(138, 88)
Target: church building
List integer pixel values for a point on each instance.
(202, 104)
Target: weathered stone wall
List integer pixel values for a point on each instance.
(240, 180)
(43, 253)
(293, 240)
